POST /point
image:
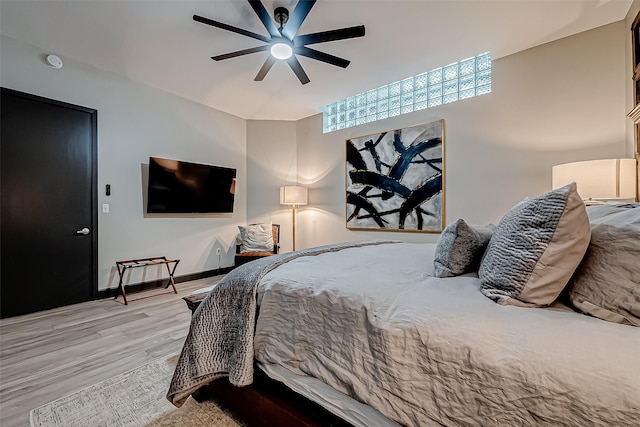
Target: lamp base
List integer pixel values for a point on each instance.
(623, 200)
(293, 223)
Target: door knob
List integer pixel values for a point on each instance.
(84, 231)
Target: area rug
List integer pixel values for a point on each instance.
(133, 399)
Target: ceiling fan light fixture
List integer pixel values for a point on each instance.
(283, 37)
(281, 51)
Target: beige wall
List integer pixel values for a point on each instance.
(134, 123)
(560, 102)
(271, 163)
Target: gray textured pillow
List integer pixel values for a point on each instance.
(460, 248)
(256, 238)
(535, 249)
(607, 282)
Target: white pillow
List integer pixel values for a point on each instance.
(256, 238)
(607, 282)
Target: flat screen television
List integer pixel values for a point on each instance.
(182, 187)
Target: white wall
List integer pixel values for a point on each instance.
(271, 163)
(135, 122)
(560, 102)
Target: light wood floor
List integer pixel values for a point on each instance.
(46, 355)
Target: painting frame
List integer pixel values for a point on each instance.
(395, 179)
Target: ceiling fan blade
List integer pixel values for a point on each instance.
(241, 52)
(297, 17)
(328, 36)
(321, 56)
(233, 29)
(264, 16)
(265, 68)
(297, 69)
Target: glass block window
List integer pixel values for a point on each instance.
(454, 82)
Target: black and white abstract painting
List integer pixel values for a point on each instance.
(395, 179)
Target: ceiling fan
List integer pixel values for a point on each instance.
(283, 41)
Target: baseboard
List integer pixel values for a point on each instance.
(162, 283)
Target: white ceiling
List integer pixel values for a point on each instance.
(158, 43)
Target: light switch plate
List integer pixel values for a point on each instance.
(105, 208)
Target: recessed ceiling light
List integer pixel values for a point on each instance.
(281, 51)
(54, 61)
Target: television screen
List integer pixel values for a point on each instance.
(181, 187)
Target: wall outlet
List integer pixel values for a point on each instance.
(218, 251)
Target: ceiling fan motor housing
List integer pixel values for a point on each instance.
(281, 15)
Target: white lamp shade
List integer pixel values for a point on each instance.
(293, 195)
(606, 179)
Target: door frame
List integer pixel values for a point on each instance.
(93, 113)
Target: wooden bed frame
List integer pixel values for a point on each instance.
(266, 402)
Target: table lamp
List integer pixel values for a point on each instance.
(599, 180)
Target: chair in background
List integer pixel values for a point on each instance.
(245, 257)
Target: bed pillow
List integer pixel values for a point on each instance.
(460, 248)
(607, 282)
(535, 249)
(256, 238)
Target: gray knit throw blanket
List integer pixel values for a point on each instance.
(220, 339)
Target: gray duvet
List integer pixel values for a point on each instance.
(220, 339)
(375, 324)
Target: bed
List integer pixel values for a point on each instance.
(367, 331)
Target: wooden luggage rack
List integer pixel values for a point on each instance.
(123, 266)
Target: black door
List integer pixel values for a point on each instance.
(48, 254)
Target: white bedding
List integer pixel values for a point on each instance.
(374, 324)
